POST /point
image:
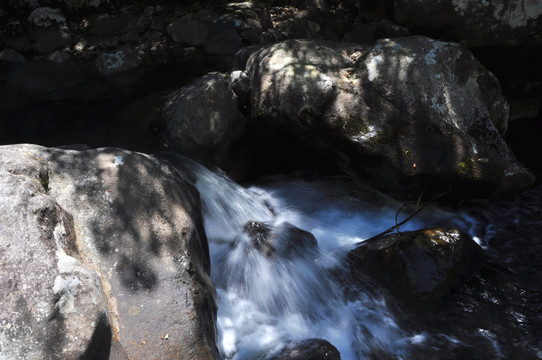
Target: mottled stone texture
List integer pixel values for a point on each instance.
(131, 219)
(403, 113)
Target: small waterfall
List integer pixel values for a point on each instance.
(277, 283)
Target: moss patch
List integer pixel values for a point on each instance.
(465, 167)
(355, 126)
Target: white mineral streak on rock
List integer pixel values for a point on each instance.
(372, 66)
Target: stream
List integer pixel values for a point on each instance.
(267, 301)
(271, 298)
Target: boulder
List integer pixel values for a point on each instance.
(203, 121)
(221, 31)
(421, 268)
(402, 114)
(477, 23)
(122, 59)
(14, 35)
(308, 349)
(59, 57)
(12, 56)
(49, 29)
(138, 225)
(283, 240)
(240, 85)
(53, 305)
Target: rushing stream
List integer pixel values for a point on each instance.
(271, 298)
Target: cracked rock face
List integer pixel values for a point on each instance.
(102, 254)
(53, 306)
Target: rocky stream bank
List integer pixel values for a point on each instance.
(103, 249)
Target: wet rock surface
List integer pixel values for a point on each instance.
(309, 349)
(284, 240)
(421, 268)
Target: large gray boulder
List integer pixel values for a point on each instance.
(421, 268)
(402, 114)
(203, 120)
(477, 23)
(134, 221)
(53, 305)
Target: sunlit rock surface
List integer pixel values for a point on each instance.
(405, 114)
(134, 221)
(52, 304)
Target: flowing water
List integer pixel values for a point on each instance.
(269, 299)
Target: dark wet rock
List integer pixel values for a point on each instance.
(240, 58)
(59, 57)
(131, 218)
(284, 240)
(367, 33)
(139, 21)
(49, 29)
(13, 34)
(397, 113)
(308, 349)
(106, 24)
(226, 42)
(202, 120)
(120, 60)
(52, 304)
(476, 23)
(189, 30)
(240, 84)
(421, 268)
(12, 56)
(125, 21)
(221, 31)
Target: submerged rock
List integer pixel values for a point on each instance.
(402, 114)
(130, 218)
(308, 349)
(284, 240)
(421, 268)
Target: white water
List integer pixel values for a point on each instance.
(266, 302)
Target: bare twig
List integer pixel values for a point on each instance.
(414, 213)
